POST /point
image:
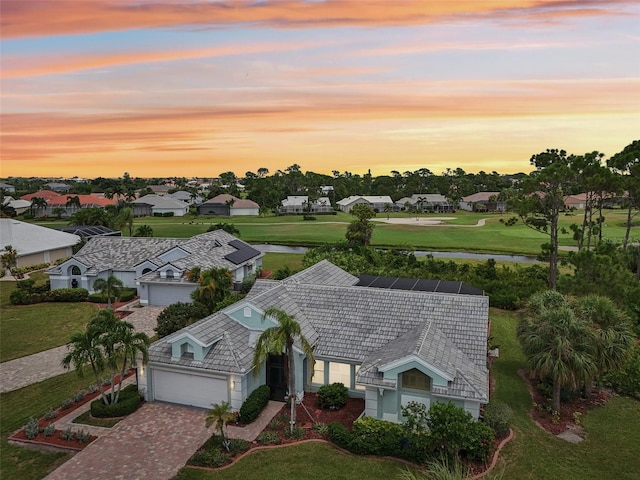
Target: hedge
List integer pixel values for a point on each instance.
(254, 404)
(67, 295)
(126, 294)
(332, 397)
(128, 402)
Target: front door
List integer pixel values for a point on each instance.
(275, 377)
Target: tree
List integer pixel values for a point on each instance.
(359, 231)
(9, 257)
(38, 203)
(227, 227)
(219, 414)
(542, 200)
(278, 340)
(215, 285)
(110, 287)
(557, 343)
(74, 203)
(107, 344)
(143, 231)
(125, 217)
(179, 315)
(58, 212)
(627, 164)
(388, 208)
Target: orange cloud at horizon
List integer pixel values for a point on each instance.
(41, 18)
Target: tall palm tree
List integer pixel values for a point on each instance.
(143, 231)
(74, 203)
(556, 342)
(38, 203)
(131, 345)
(280, 339)
(219, 414)
(215, 284)
(109, 287)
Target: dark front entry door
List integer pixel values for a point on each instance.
(275, 377)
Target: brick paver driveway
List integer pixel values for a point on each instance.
(152, 443)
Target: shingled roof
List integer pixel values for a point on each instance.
(356, 324)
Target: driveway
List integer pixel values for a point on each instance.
(152, 443)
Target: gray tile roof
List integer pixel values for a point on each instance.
(365, 325)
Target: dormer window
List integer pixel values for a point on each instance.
(75, 270)
(414, 379)
(186, 351)
(169, 273)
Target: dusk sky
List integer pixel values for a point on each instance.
(196, 88)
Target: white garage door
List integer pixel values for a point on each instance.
(188, 389)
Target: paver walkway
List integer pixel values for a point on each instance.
(251, 431)
(35, 368)
(152, 443)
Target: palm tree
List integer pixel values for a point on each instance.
(143, 231)
(109, 287)
(215, 284)
(278, 339)
(219, 414)
(38, 203)
(131, 344)
(58, 212)
(84, 348)
(388, 208)
(557, 343)
(125, 217)
(74, 203)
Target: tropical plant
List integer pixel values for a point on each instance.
(219, 414)
(109, 287)
(9, 257)
(143, 231)
(359, 231)
(74, 203)
(215, 285)
(58, 212)
(38, 203)
(279, 340)
(227, 227)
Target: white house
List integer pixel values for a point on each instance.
(386, 345)
(157, 267)
(163, 205)
(296, 204)
(376, 202)
(426, 202)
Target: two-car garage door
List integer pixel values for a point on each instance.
(188, 389)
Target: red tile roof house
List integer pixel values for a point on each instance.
(385, 345)
(56, 200)
(483, 201)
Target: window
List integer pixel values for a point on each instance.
(340, 372)
(146, 270)
(318, 372)
(416, 380)
(186, 350)
(75, 270)
(355, 372)
(169, 273)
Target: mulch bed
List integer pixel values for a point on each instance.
(569, 411)
(56, 439)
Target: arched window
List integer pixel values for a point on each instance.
(75, 270)
(146, 270)
(169, 273)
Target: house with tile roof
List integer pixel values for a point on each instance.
(386, 345)
(426, 202)
(483, 202)
(157, 267)
(161, 205)
(56, 201)
(228, 206)
(298, 204)
(377, 203)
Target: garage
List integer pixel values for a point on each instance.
(188, 388)
(166, 294)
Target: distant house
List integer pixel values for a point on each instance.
(56, 201)
(7, 188)
(58, 187)
(577, 202)
(17, 207)
(186, 197)
(390, 346)
(161, 205)
(159, 189)
(483, 202)
(376, 202)
(228, 206)
(297, 204)
(426, 202)
(157, 267)
(35, 244)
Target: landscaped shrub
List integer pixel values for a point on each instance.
(626, 380)
(275, 424)
(332, 397)
(498, 416)
(66, 403)
(209, 458)
(296, 433)
(128, 402)
(254, 404)
(247, 283)
(68, 434)
(478, 443)
(49, 430)
(268, 438)
(31, 429)
(179, 315)
(321, 428)
(67, 295)
(372, 436)
(128, 294)
(50, 414)
(167, 214)
(24, 297)
(83, 436)
(339, 435)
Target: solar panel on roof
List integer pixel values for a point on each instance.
(448, 286)
(418, 284)
(383, 282)
(243, 253)
(366, 280)
(424, 285)
(470, 290)
(405, 283)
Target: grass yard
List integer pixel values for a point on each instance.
(275, 261)
(28, 329)
(33, 401)
(318, 461)
(613, 432)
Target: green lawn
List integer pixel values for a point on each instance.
(317, 461)
(33, 401)
(28, 329)
(275, 261)
(613, 432)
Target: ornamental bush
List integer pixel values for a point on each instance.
(268, 438)
(332, 397)
(24, 297)
(254, 404)
(67, 295)
(179, 315)
(339, 435)
(128, 402)
(498, 416)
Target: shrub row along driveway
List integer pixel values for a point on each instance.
(154, 442)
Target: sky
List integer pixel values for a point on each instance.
(196, 88)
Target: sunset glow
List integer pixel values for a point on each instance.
(196, 88)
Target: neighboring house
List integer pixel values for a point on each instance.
(157, 267)
(17, 206)
(483, 202)
(186, 197)
(296, 204)
(387, 345)
(35, 244)
(57, 201)
(426, 202)
(160, 189)
(161, 205)
(577, 202)
(375, 202)
(7, 188)
(58, 187)
(228, 206)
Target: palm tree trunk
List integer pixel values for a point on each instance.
(292, 383)
(628, 231)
